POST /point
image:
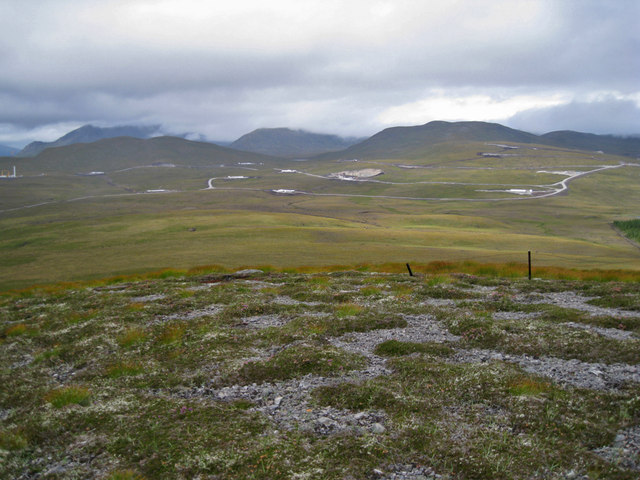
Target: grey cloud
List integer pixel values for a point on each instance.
(584, 45)
(605, 116)
(60, 66)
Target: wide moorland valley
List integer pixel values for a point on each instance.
(304, 306)
(466, 191)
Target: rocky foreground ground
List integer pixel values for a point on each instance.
(342, 375)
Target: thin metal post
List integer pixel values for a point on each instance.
(409, 268)
(529, 264)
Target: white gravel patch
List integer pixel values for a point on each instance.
(147, 298)
(283, 300)
(596, 376)
(576, 301)
(625, 451)
(406, 472)
(288, 405)
(439, 302)
(420, 328)
(208, 311)
(263, 321)
(614, 333)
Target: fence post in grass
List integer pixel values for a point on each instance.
(529, 264)
(410, 272)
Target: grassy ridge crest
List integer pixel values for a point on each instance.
(494, 270)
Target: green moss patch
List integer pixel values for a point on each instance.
(625, 302)
(395, 348)
(72, 395)
(298, 361)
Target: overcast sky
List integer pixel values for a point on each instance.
(351, 67)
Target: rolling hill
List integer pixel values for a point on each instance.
(88, 134)
(287, 143)
(411, 142)
(127, 152)
(403, 142)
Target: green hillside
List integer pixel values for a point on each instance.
(284, 142)
(88, 134)
(403, 142)
(415, 141)
(127, 152)
(631, 228)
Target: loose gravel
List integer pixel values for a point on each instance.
(614, 333)
(596, 376)
(625, 450)
(575, 301)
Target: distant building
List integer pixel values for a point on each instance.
(8, 174)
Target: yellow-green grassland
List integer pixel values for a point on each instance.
(451, 203)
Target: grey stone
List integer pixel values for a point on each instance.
(249, 272)
(147, 298)
(326, 421)
(377, 428)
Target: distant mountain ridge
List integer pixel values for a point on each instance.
(389, 143)
(627, 146)
(287, 143)
(6, 151)
(411, 141)
(88, 134)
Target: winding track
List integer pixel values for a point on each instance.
(557, 188)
